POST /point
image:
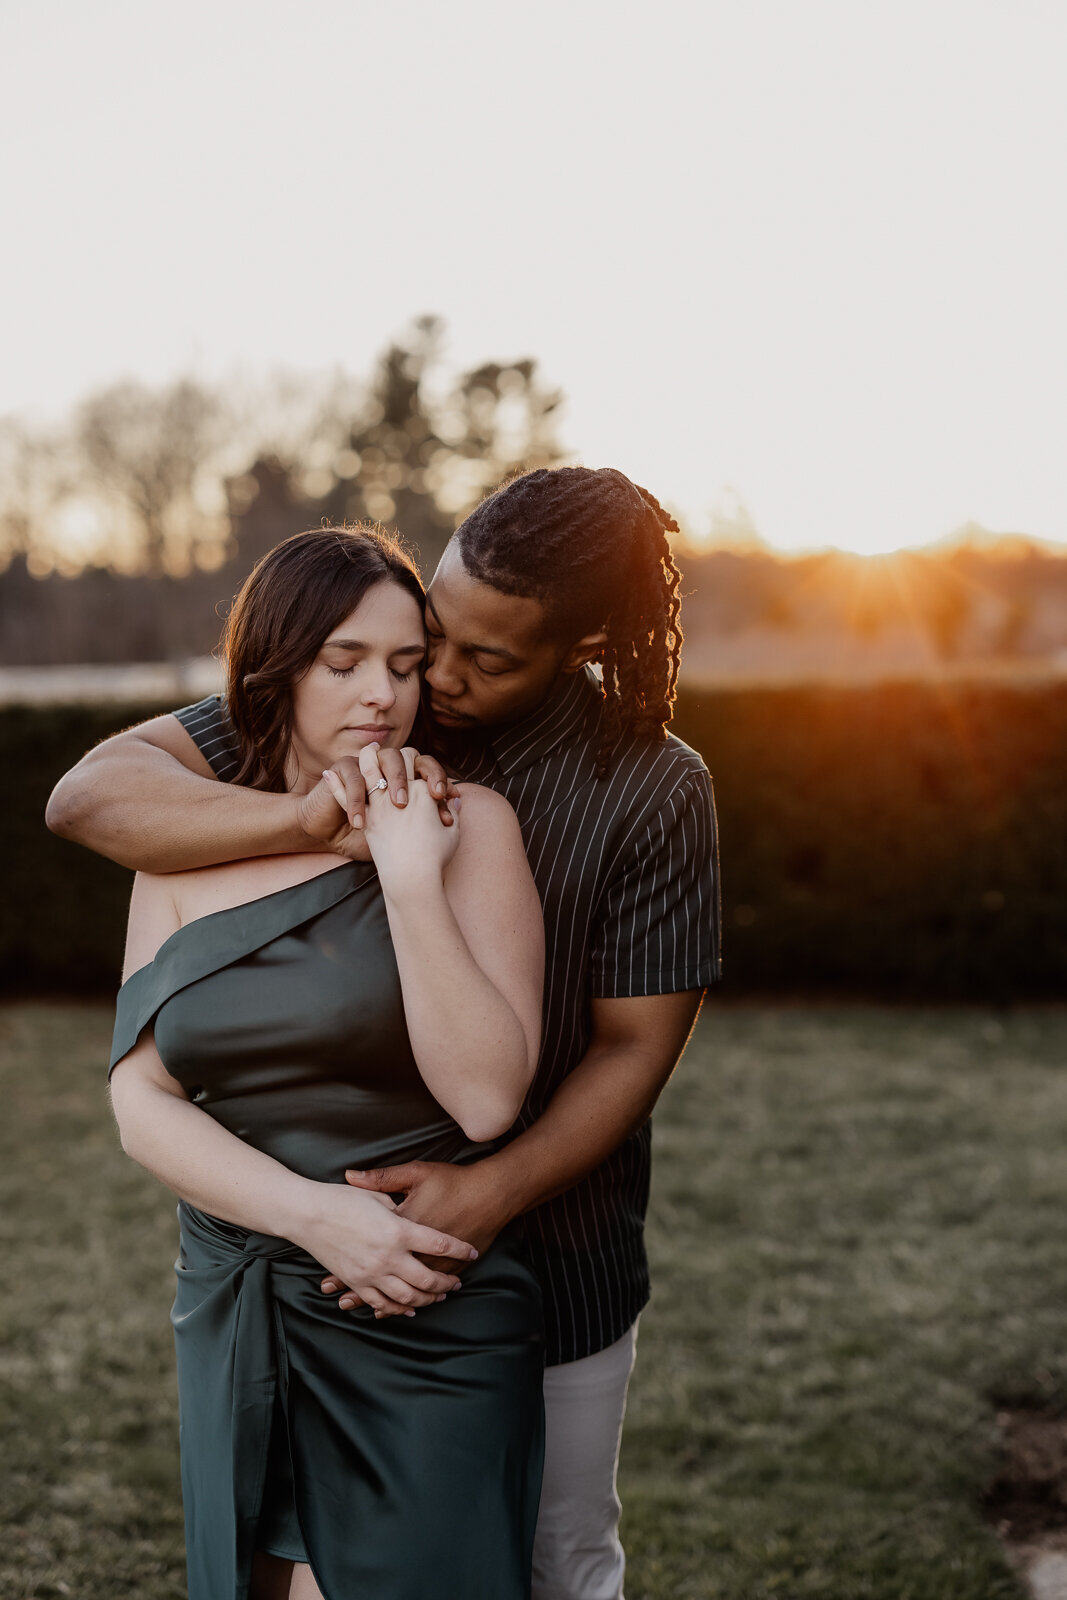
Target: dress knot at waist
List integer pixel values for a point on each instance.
(209, 1241)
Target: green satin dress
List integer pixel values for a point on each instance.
(401, 1458)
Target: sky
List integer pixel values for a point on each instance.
(796, 262)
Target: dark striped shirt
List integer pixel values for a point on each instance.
(626, 867)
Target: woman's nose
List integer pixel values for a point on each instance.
(379, 689)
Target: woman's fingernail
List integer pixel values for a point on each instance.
(409, 1313)
(439, 1298)
(328, 773)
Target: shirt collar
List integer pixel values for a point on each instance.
(559, 720)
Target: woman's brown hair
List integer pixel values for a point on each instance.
(287, 607)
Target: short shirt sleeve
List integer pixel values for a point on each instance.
(209, 726)
(660, 931)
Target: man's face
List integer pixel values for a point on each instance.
(492, 660)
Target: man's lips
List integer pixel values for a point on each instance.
(442, 714)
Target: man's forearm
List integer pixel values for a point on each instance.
(138, 806)
(607, 1097)
(609, 1094)
(635, 1047)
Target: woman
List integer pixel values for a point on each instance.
(283, 1019)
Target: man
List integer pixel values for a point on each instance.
(557, 570)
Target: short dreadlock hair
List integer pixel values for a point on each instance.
(592, 548)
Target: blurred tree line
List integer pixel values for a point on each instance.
(124, 534)
(980, 600)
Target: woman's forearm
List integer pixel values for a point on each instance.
(364, 1243)
(469, 1043)
(205, 1164)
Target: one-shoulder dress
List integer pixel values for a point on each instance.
(401, 1457)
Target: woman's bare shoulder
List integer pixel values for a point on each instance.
(485, 811)
(486, 801)
(491, 851)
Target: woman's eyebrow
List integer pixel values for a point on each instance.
(360, 644)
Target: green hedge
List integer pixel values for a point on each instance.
(898, 838)
(895, 839)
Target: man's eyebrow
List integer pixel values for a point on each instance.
(359, 644)
(476, 649)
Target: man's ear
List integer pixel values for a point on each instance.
(585, 650)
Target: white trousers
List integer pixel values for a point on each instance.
(577, 1554)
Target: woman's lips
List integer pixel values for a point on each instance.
(375, 731)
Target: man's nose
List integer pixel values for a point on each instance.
(442, 672)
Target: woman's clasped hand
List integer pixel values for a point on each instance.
(379, 1254)
(334, 812)
(410, 843)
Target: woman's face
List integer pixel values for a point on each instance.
(362, 687)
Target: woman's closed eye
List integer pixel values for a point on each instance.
(346, 672)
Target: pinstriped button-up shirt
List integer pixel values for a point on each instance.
(626, 868)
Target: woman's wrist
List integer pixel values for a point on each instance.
(413, 888)
(296, 1208)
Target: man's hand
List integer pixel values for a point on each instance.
(333, 814)
(462, 1200)
(635, 1044)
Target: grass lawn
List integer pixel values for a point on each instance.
(859, 1253)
